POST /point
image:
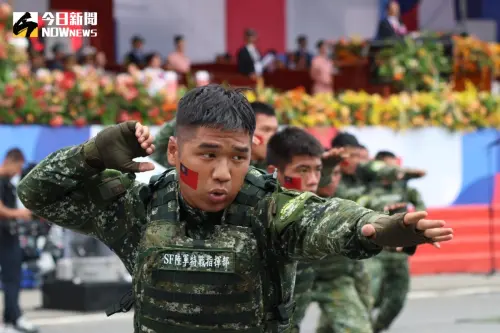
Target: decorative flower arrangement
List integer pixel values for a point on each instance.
(85, 97)
(349, 50)
(466, 110)
(414, 65)
(12, 50)
(474, 55)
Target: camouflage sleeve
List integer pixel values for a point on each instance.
(378, 170)
(108, 205)
(308, 227)
(161, 143)
(415, 199)
(364, 201)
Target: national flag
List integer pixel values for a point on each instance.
(399, 161)
(293, 183)
(189, 177)
(260, 138)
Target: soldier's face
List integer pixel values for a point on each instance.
(265, 127)
(211, 164)
(307, 168)
(364, 156)
(391, 161)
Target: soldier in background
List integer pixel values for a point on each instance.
(301, 162)
(389, 270)
(211, 225)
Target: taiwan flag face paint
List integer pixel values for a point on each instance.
(293, 183)
(399, 161)
(189, 177)
(259, 138)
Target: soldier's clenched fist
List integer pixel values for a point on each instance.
(116, 146)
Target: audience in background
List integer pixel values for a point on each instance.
(322, 70)
(136, 55)
(391, 26)
(302, 57)
(178, 61)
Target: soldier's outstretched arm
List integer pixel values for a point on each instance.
(309, 227)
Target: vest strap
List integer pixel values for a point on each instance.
(201, 318)
(160, 326)
(201, 299)
(196, 278)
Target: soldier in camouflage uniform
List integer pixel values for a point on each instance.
(212, 244)
(302, 162)
(389, 270)
(266, 126)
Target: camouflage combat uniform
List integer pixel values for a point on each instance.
(194, 271)
(389, 270)
(161, 143)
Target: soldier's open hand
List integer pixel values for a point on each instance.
(407, 230)
(116, 146)
(333, 157)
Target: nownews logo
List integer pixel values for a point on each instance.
(62, 24)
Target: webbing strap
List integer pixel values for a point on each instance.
(200, 299)
(202, 318)
(161, 326)
(196, 278)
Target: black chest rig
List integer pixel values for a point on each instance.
(229, 282)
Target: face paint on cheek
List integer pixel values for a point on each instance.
(399, 161)
(189, 177)
(293, 183)
(344, 163)
(259, 138)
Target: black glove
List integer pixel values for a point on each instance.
(115, 148)
(392, 231)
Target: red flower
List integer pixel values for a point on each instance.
(39, 93)
(137, 116)
(123, 116)
(87, 94)
(9, 90)
(19, 102)
(56, 121)
(80, 121)
(67, 83)
(154, 112)
(18, 120)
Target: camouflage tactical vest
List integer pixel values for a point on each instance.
(228, 283)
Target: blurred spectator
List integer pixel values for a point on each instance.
(87, 57)
(249, 57)
(391, 26)
(10, 247)
(322, 70)
(136, 55)
(178, 61)
(57, 62)
(100, 62)
(302, 55)
(37, 62)
(223, 59)
(153, 66)
(69, 66)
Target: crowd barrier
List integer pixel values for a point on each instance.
(462, 185)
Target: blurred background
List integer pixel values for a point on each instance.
(424, 86)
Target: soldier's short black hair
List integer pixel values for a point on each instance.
(290, 142)
(383, 154)
(15, 155)
(178, 38)
(214, 106)
(263, 108)
(345, 139)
